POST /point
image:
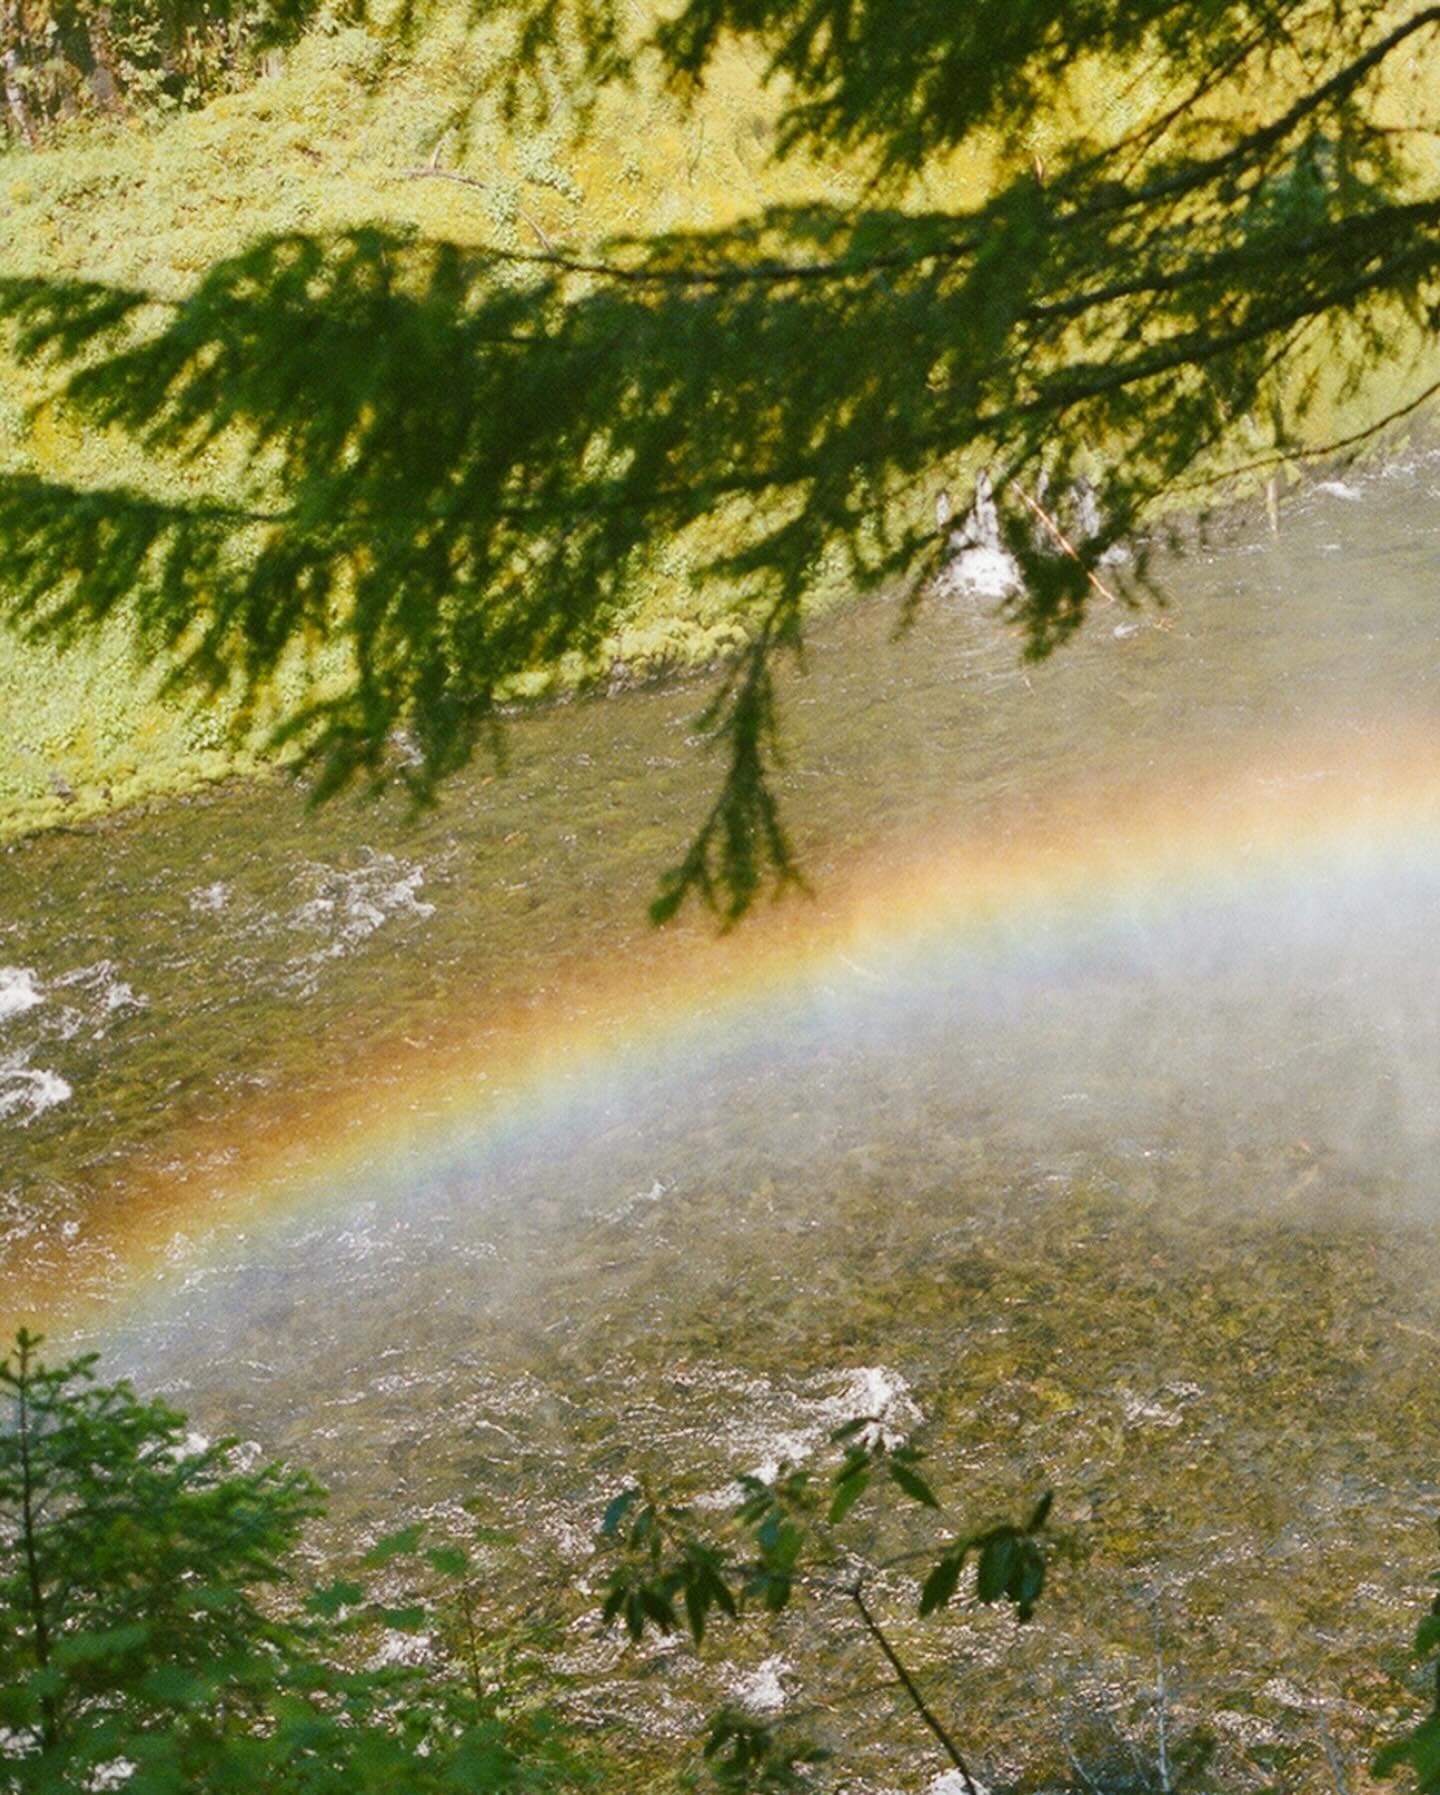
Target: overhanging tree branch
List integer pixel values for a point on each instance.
(454, 466)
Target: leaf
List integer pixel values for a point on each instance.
(1420, 1749)
(450, 1561)
(411, 1619)
(658, 1607)
(95, 1647)
(1028, 1580)
(394, 1545)
(913, 1484)
(997, 1566)
(848, 1492)
(724, 1599)
(616, 1512)
(777, 1592)
(335, 1596)
(210, 1598)
(1427, 1635)
(176, 1687)
(942, 1582)
(850, 1428)
(1040, 1513)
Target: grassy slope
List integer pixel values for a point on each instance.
(327, 144)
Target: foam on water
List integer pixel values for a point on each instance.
(28, 1091)
(762, 1690)
(345, 907)
(775, 1423)
(18, 991)
(42, 1017)
(209, 899)
(97, 993)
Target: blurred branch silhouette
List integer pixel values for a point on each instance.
(459, 463)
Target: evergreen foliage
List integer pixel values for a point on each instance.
(151, 1637)
(462, 463)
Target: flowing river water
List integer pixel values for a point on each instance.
(1084, 1118)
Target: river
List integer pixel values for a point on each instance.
(1083, 1118)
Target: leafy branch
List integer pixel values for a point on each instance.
(674, 1574)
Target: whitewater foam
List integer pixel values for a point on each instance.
(102, 991)
(762, 1690)
(346, 907)
(28, 1091)
(18, 991)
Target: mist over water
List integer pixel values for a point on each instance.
(1134, 1191)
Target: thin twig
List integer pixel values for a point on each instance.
(431, 173)
(1075, 1764)
(546, 243)
(1065, 543)
(907, 1682)
(1322, 451)
(1337, 1763)
(472, 1643)
(1162, 1700)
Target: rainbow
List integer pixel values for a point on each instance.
(1059, 869)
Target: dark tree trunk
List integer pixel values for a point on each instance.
(105, 83)
(16, 107)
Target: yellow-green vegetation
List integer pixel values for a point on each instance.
(352, 131)
(358, 130)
